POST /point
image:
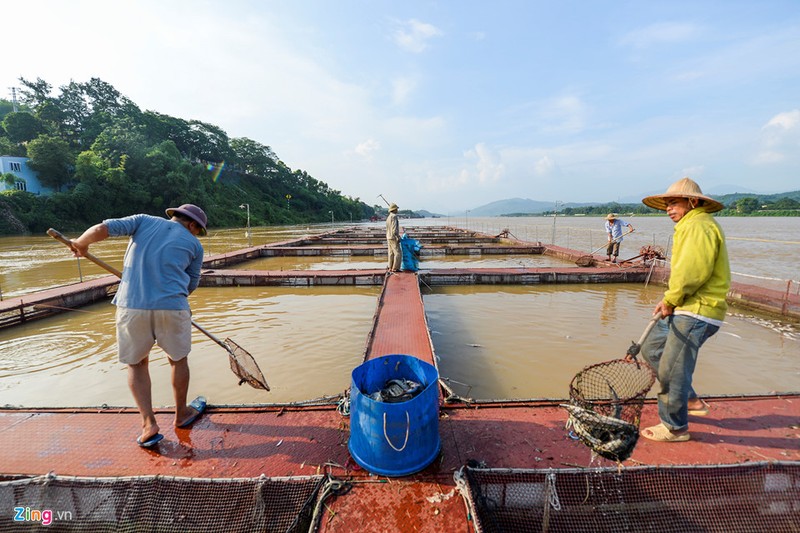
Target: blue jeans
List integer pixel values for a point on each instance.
(671, 349)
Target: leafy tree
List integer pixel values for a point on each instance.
(253, 157)
(747, 205)
(35, 94)
(6, 107)
(129, 161)
(209, 142)
(9, 148)
(22, 127)
(785, 203)
(122, 138)
(52, 158)
(8, 178)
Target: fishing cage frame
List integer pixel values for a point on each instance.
(164, 503)
(735, 498)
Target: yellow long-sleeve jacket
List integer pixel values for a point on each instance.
(700, 275)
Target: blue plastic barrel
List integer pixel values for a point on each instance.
(394, 439)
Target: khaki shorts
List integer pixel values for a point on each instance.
(139, 329)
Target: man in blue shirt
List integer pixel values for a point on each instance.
(614, 229)
(161, 268)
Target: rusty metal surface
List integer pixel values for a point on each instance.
(400, 326)
(248, 442)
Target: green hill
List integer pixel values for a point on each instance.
(108, 158)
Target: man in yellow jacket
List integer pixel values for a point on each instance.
(693, 306)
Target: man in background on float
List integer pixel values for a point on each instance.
(393, 239)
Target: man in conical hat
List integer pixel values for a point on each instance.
(393, 240)
(613, 227)
(693, 306)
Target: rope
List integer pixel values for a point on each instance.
(331, 486)
(762, 277)
(761, 240)
(408, 428)
(463, 489)
(553, 500)
(343, 407)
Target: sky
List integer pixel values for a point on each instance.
(450, 105)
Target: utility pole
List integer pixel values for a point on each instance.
(248, 233)
(555, 214)
(14, 99)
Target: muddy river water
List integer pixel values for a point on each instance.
(491, 342)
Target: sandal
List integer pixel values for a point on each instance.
(703, 411)
(662, 433)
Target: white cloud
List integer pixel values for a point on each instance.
(660, 33)
(367, 147)
(785, 121)
(780, 138)
(544, 166)
(401, 89)
(488, 164)
(563, 114)
(414, 35)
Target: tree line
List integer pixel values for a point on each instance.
(785, 204)
(105, 157)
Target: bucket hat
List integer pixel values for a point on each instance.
(193, 212)
(393, 207)
(611, 216)
(683, 188)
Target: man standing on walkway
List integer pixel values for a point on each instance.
(614, 226)
(393, 239)
(161, 268)
(693, 306)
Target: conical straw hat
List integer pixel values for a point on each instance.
(684, 188)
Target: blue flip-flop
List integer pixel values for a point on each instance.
(149, 443)
(199, 405)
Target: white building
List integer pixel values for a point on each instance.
(26, 178)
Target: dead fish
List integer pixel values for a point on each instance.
(607, 436)
(587, 416)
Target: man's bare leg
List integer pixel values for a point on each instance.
(139, 384)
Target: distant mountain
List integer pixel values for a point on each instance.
(517, 206)
(719, 190)
(728, 199)
(714, 192)
(427, 214)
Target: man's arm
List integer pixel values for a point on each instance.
(97, 233)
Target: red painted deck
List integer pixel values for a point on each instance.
(281, 441)
(248, 442)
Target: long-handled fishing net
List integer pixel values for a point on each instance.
(606, 401)
(242, 362)
(589, 260)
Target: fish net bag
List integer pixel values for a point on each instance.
(605, 406)
(245, 367)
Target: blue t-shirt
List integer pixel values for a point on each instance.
(162, 263)
(615, 228)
